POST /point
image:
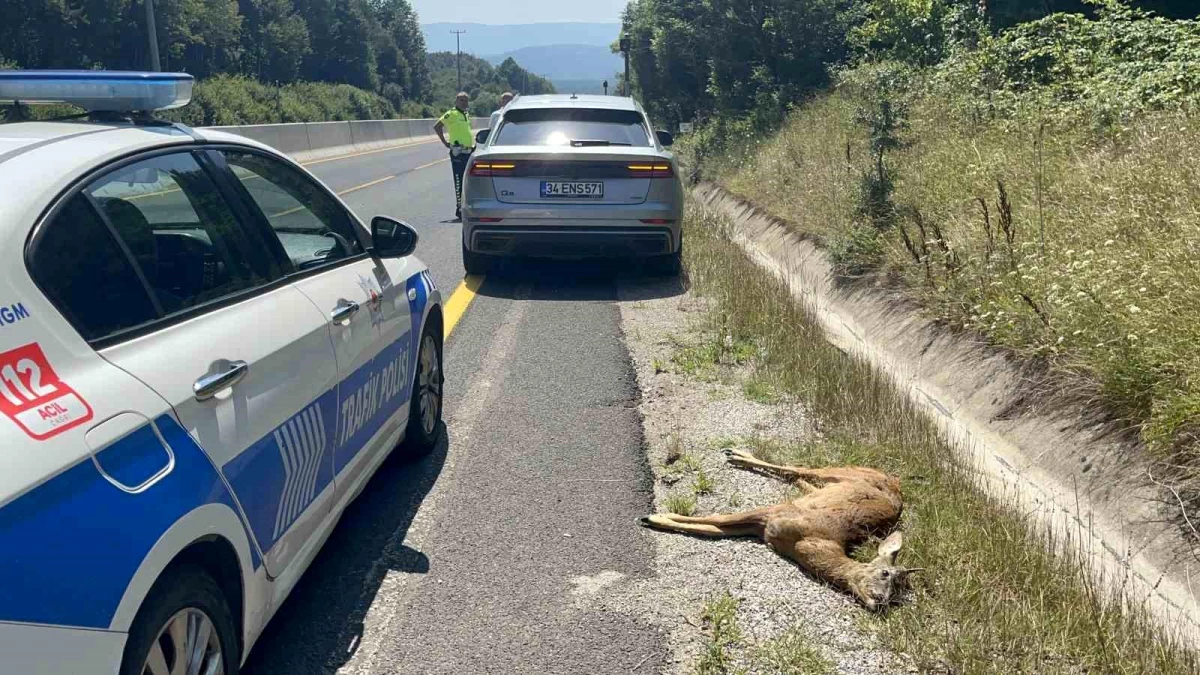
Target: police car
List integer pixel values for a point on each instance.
(204, 355)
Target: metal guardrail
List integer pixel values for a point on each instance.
(319, 139)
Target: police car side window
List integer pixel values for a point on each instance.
(182, 235)
(80, 266)
(314, 229)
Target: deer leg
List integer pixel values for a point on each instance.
(827, 561)
(745, 460)
(749, 523)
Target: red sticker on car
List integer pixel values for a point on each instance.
(33, 396)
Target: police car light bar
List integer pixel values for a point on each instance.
(97, 90)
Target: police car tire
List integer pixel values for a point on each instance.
(475, 263)
(182, 587)
(417, 442)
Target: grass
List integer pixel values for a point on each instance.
(681, 503)
(792, 654)
(789, 654)
(720, 617)
(998, 596)
(716, 349)
(760, 391)
(675, 448)
(703, 484)
(1061, 243)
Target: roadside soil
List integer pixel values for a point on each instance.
(695, 403)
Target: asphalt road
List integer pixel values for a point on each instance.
(467, 561)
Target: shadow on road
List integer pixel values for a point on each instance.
(578, 281)
(331, 600)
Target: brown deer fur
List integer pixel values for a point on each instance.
(851, 504)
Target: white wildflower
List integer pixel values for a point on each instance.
(1134, 309)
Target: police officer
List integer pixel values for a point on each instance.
(454, 129)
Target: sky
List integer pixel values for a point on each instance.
(518, 11)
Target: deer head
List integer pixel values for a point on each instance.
(880, 580)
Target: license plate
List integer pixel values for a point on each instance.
(572, 190)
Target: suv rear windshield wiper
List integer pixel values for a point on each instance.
(597, 143)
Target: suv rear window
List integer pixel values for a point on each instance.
(574, 127)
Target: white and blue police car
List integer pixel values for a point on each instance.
(204, 355)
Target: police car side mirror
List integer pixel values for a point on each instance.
(481, 137)
(665, 138)
(392, 238)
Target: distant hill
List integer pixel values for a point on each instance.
(567, 62)
(487, 39)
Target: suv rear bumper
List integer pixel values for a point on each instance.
(616, 240)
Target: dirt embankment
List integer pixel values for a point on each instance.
(1086, 487)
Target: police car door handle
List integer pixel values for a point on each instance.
(210, 385)
(344, 312)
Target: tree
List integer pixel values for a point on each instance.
(275, 40)
(201, 37)
(401, 47)
(342, 46)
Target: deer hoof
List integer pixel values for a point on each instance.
(644, 521)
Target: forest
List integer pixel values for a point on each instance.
(758, 57)
(259, 61)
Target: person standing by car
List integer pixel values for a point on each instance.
(454, 129)
(505, 99)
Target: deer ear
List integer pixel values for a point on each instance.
(890, 547)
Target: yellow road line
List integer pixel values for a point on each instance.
(364, 186)
(460, 300)
(426, 166)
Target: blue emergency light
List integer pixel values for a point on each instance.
(97, 90)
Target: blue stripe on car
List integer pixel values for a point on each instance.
(71, 545)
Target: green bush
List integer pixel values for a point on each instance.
(1070, 68)
(231, 100)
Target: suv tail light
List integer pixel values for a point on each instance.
(492, 168)
(654, 170)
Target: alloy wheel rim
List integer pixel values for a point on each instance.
(429, 380)
(187, 644)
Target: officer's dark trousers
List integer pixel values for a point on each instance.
(459, 166)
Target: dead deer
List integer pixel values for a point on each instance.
(852, 504)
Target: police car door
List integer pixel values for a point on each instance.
(363, 298)
(242, 356)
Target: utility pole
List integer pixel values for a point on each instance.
(152, 34)
(458, 41)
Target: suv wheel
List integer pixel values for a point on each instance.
(475, 263)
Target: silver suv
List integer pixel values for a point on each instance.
(573, 177)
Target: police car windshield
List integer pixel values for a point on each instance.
(573, 127)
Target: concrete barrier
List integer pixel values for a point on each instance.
(317, 140)
(330, 138)
(368, 135)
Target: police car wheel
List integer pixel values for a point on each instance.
(184, 626)
(425, 411)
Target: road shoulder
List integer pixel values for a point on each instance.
(726, 605)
